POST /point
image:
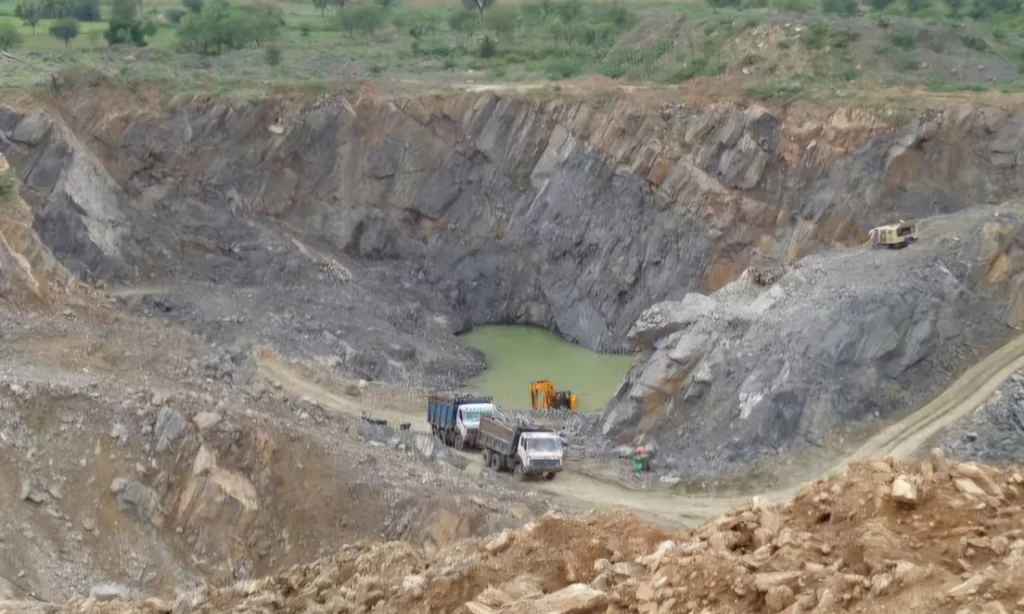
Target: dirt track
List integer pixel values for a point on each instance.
(901, 440)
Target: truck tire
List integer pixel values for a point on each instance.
(460, 443)
(495, 462)
(550, 475)
(519, 473)
(487, 457)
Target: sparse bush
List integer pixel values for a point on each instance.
(193, 6)
(86, 10)
(916, 6)
(364, 18)
(10, 38)
(65, 30)
(815, 36)
(973, 42)
(841, 39)
(221, 27)
(487, 48)
(305, 29)
(845, 8)
(569, 10)
(386, 3)
(504, 20)
(904, 39)
(422, 25)
(272, 55)
(799, 6)
(880, 5)
(463, 22)
(906, 61)
(784, 44)
(851, 74)
(322, 5)
(720, 4)
(955, 7)
(564, 67)
(175, 15)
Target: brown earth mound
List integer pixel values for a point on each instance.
(937, 536)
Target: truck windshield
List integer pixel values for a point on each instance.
(471, 413)
(544, 445)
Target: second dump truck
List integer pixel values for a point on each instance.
(455, 419)
(521, 449)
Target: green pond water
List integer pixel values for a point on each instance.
(518, 355)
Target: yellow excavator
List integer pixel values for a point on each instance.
(543, 395)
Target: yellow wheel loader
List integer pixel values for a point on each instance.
(893, 236)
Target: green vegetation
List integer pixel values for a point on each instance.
(7, 183)
(9, 37)
(65, 30)
(249, 45)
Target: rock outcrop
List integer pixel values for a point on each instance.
(552, 213)
(754, 370)
(841, 545)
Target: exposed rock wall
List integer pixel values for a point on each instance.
(555, 213)
(756, 370)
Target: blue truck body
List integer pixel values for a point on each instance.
(443, 416)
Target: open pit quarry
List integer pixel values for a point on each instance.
(200, 298)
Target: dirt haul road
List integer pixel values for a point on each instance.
(902, 440)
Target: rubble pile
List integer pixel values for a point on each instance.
(935, 536)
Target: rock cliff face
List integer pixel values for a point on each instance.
(768, 368)
(372, 229)
(552, 213)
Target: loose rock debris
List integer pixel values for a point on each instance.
(936, 536)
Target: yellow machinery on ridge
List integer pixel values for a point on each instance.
(893, 236)
(543, 395)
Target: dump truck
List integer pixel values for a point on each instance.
(544, 395)
(455, 419)
(522, 449)
(893, 236)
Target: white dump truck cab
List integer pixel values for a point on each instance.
(468, 421)
(540, 452)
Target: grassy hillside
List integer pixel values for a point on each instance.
(777, 50)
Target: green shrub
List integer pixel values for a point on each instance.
(175, 15)
(815, 36)
(272, 55)
(487, 48)
(9, 36)
(973, 42)
(840, 7)
(851, 74)
(305, 29)
(904, 39)
(798, 6)
(564, 67)
(363, 18)
(7, 183)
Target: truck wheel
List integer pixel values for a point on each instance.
(495, 462)
(519, 473)
(487, 457)
(550, 475)
(459, 442)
